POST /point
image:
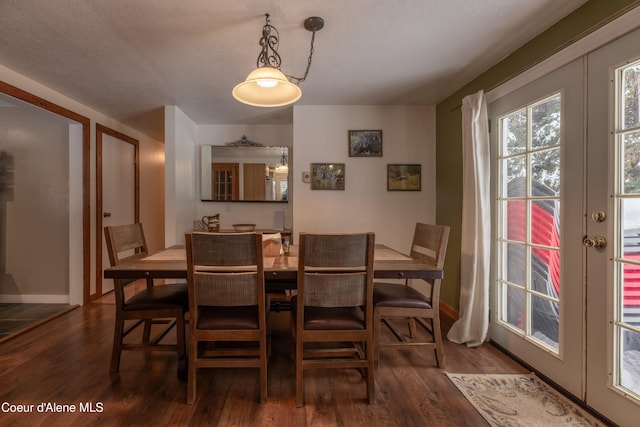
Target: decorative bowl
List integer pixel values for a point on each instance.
(244, 227)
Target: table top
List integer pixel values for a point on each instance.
(172, 263)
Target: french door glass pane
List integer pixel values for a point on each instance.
(529, 228)
(631, 96)
(630, 363)
(627, 256)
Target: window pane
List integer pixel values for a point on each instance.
(544, 226)
(516, 220)
(631, 159)
(544, 321)
(514, 132)
(631, 96)
(516, 265)
(514, 313)
(631, 294)
(630, 372)
(516, 174)
(630, 226)
(545, 172)
(545, 123)
(545, 272)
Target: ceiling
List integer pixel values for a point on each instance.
(127, 59)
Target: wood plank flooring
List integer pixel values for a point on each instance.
(66, 362)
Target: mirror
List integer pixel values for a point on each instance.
(244, 173)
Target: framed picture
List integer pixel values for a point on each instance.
(306, 177)
(365, 143)
(327, 176)
(404, 177)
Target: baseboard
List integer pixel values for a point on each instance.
(449, 312)
(35, 299)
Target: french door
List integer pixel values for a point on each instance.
(613, 217)
(538, 298)
(566, 282)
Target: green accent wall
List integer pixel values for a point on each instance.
(584, 20)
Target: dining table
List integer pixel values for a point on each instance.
(280, 271)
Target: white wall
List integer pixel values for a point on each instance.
(320, 135)
(180, 174)
(39, 209)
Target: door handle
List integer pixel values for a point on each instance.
(596, 242)
(106, 214)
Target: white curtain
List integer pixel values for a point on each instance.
(471, 328)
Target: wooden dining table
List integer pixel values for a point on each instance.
(280, 271)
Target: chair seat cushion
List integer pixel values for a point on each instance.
(398, 295)
(160, 297)
(330, 318)
(214, 318)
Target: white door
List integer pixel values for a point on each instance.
(613, 216)
(537, 293)
(118, 190)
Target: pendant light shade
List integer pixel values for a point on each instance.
(266, 87)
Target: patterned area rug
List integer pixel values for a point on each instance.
(520, 400)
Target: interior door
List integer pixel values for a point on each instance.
(117, 192)
(537, 294)
(613, 219)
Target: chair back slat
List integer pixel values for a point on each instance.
(335, 290)
(430, 243)
(125, 242)
(336, 250)
(225, 269)
(335, 270)
(226, 289)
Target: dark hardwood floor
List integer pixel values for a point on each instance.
(66, 362)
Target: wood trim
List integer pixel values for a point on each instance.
(448, 311)
(86, 172)
(100, 131)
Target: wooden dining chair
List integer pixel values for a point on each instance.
(228, 306)
(157, 304)
(332, 316)
(398, 301)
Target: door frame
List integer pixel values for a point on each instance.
(102, 130)
(39, 102)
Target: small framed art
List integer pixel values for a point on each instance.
(365, 143)
(401, 177)
(306, 177)
(327, 176)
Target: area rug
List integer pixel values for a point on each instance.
(520, 400)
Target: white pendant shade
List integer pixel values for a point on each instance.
(266, 87)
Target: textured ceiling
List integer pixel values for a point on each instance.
(128, 58)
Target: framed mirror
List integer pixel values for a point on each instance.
(244, 173)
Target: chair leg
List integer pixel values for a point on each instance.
(376, 336)
(299, 371)
(117, 343)
(192, 371)
(371, 383)
(412, 327)
(437, 337)
(182, 346)
(263, 369)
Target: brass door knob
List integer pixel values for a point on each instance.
(596, 242)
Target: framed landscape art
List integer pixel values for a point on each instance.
(327, 176)
(404, 177)
(365, 143)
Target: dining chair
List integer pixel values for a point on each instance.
(228, 307)
(402, 301)
(163, 304)
(332, 313)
